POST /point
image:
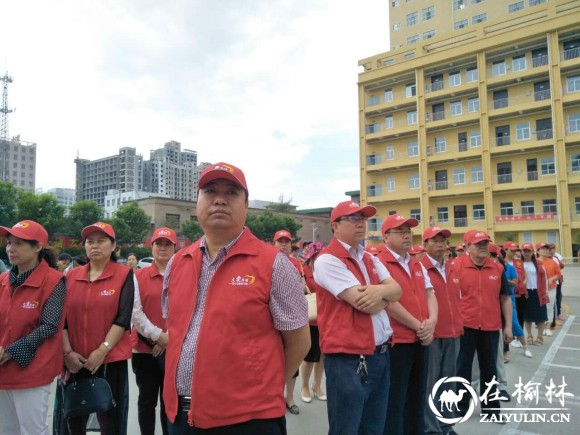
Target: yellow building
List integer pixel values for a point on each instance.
(477, 126)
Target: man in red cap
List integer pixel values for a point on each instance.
(417, 251)
(444, 349)
(414, 318)
(252, 315)
(485, 296)
(353, 289)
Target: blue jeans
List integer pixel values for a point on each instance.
(409, 364)
(355, 407)
(273, 426)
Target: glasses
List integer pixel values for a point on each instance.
(527, 250)
(401, 232)
(353, 218)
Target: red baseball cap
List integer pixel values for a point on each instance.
(416, 249)
(510, 246)
(225, 171)
(433, 231)
(493, 248)
(542, 245)
(397, 220)
(460, 247)
(27, 230)
(282, 234)
(527, 246)
(552, 245)
(346, 208)
(98, 226)
(475, 236)
(164, 233)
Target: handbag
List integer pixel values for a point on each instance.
(311, 299)
(87, 395)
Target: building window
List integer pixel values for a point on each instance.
(455, 108)
(374, 224)
(390, 184)
(506, 208)
(412, 39)
(519, 63)
(536, 2)
(429, 34)
(411, 117)
(548, 166)
(574, 123)
(436, 82)
(514, 7)
(527, 208)
(471, 75)
(371, 128)
(415, 213)
(504, 172)
(443, 214)
(389, 152)
(474, 139)
(577, 202)
(428, 13)
(575, 160)
(498, 68)
(454, 79)
(523, 131)
(474, 2)
(573, 84)
(459, 176)
(373, 101)
(412, 18)
(473, 104)
(459, 4)
(409, 55)
(388, 122)
(478, 212)
(413, 149)
(460, 24)
(396, 26)
(414, 181)
(440, 145)
(476, 174)
(410, 90)
(549, 206)
(388, 95)
(396, 3)
(479, 18)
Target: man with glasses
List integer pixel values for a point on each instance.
(353, 290)
(485, 296)
(414, 318)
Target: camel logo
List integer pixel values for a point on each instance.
(243, 280)
(30, 305)
(21, 224)
(224, 168)
(164, 232)
(449, 400)
(107, 292)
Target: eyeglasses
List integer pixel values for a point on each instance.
(401, 232)
(353, 218)
(527, 250)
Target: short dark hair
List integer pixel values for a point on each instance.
(64, 256)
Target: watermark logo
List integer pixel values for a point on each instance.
(449, 399)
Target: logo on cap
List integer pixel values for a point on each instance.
(21, 225)
(164, 233)
(224, 168)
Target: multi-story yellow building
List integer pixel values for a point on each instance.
(477, 126)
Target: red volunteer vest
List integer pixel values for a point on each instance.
(413, 298)
(150, 287)
(449, 320)
(91, 309)
(343, 328)
(19, 316)
(297, 264)
(520, 289)
(542, 283)
(239, 370)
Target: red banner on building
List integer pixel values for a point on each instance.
(524, 218)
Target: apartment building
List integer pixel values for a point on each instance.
(18, 163)
(477, 125)
(65, 197)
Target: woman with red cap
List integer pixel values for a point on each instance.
(537, 287)
(149, 335)
(32, 295)
(98, 319)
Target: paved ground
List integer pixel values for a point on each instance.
(557, 360)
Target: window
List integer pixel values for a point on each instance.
(478, 212)
(455, 108)
(473, 104)
(575, 160)
(549, 206)
(462, 141)
(438, 111)
(476, 174)
(428, 34)
(390, 184)
(536, 2)
(459, 176)
(415, 213)
(459, 4)
(436, 82)
(500, 99)
(506, 208)
(443, 214)
(519, 63)
(440, 145)
(471, 75)
(548, 166)
(396, 26)
(523, 130)
(527, 208)
(413, 149)
(573, 84)
(574, 123)
(410, 90)
(479, 18)
(409, 55)
(544, 128)
(388, 122)
(411, 117)
(542, 90)
(414, 181)
(460, 24)
(498, 68)
(374, 100)
(514, 7)
(474, 2)
(389, 152)
(371, 128)
(504, 172)
(396, 3)
(577, 202)
(539, 57)
(474, 139)
(388, 95)
(412, 39)
(571, 49)
(412, 18)
(454, 79)
(374, 224)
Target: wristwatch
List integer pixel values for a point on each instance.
(107, 345)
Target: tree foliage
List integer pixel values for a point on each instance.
(131, 224)
(81, 214)
(8, 200)
(192, 230)
(281, 205)
(43, 208)
(265, 225)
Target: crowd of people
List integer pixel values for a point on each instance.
(218, 332)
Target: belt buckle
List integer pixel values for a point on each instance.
(382, 348)
(185, 403)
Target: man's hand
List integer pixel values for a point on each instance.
(370, 298)
(508, 335)
(157, 350)
(426, 330)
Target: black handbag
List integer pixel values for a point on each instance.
(87, 395)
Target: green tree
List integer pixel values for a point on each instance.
(265, 225)
(81, 214)
(8, 199)
(131, 224)
(281, 205)
(192, 230)
(43, 208)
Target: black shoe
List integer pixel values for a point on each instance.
(451, 432)
(505, 395)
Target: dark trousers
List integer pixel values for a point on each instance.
(521, 302)
(272, 426)
(486, 344)
(149, 372)
(409, 366)
(558, 304)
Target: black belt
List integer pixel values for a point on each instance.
(382, 348)
(184, 403)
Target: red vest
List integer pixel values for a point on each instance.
(92, 307)
(413, 298)
(542, 279)
(297, 264)
(449, 320)
(480, 298)
(520, 289)
(343, 328)
(150, 286)
(239, 372)
(19, 316)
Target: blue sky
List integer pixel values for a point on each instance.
(269, 86)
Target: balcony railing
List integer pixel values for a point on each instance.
(435, 116)
(502, 140)
(433, 87)
(540, 61)
(544, 134)
(520, 178)
(571, 53)
(460, 222)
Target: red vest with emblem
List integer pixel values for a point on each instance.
(520, 289)
(480, 293)
(413, 298)
(343, 328)
(238, 373)
(91, 309)
(449, 319)
(20, 315)
(150, 286)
